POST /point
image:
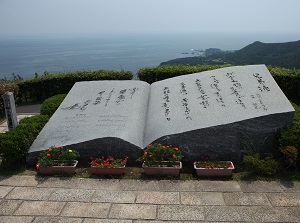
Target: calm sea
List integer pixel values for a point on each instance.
(25, 56)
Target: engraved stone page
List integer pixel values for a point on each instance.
(98, 109)
(212, 98)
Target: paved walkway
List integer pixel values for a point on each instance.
(49, 199)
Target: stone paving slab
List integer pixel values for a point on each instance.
(150, 221)
(106, 221)
(125, 197)
(72, 195)
(157, 197)
(8, 207)
(288, 214)
(218, 186)
(290, 186)
(260, 186)
(4, 190)
(62, 182)
(89, 210)
(180, 212)
(30, 193)
(100, 184)
(241, 213)
(21, 181)
(202, 198)
(286, 199)
(242, 199)
(57, 220)
(46, 208)
(136, 185)
(15, 219)
(133, 211)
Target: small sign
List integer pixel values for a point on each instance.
(10, 110)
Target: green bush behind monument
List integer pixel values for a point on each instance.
(41, 88)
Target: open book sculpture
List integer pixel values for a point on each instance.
(219, 114)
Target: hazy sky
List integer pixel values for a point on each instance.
(148, 16)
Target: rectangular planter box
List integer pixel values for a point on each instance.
(107, 170)
(58, 169)
(215, 172)
(164, 169)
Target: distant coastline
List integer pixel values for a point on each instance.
(285, 55)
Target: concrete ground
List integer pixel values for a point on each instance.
(85, 200)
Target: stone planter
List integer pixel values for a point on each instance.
(215, 172)
(59, 168)
(107, 170)
(163, 168)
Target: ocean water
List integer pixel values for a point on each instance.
(56, 54)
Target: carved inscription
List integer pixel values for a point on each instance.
(217, 90)
(104, 98)
(236, 88)
(261, 83)
(213, 92)
(166, 101)
(112, 121)
(185, 101)
(203, 98)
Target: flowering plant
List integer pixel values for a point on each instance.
(109, 162)
(55, 155)
(157, 153)
(213, 164)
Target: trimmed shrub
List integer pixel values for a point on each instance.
(290, 136)
(261, 165)
(15, 144)
(153, 74)
(288, 80)
(51, 104)
(41, 88)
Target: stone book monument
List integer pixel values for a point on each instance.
(220, 114)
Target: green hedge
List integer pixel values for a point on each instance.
(153, 74)
(291, 136)
(288, 80)
(41, 88)
(51, 104)
(15, 144)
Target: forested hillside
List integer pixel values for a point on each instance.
(285, 55)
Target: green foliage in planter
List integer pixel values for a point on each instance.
(15, 144)
(153, 74)
(291, 136)
(6, 86)
(260, 164)
(51, 104)
(156, 153)
(50, 156)
(41, 88)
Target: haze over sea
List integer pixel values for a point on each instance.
(26, 55)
